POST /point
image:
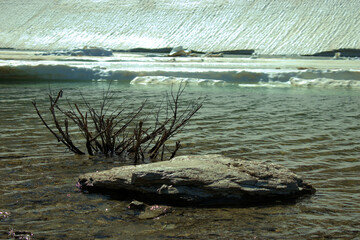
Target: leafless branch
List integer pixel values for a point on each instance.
(113, 131)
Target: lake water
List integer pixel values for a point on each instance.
(313, 131)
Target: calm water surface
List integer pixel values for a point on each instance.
(314, 132)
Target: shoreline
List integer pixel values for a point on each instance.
(226, 62)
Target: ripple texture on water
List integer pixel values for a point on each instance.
(314, 132)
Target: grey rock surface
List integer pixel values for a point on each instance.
(204, 180)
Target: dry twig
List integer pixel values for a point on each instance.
(108, 131)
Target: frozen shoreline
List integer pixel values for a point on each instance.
(145, 68)
(228, 61)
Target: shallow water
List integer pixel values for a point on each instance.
(313, 131)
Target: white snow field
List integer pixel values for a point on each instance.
(282, 27)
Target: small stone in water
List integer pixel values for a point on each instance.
(4, 214)
(25, 235)
(137, 205)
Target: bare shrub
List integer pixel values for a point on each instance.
(112, 131)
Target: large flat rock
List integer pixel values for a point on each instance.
(204, 180)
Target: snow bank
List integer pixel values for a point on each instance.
(267, 27)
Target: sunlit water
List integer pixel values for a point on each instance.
(313, 131)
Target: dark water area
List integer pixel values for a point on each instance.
(313, 131)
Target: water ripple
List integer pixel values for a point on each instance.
(313, 132)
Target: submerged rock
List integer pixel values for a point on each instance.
(26, 235)
(149, 212)
(207, 180)
(137, 205)
(155, 211)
